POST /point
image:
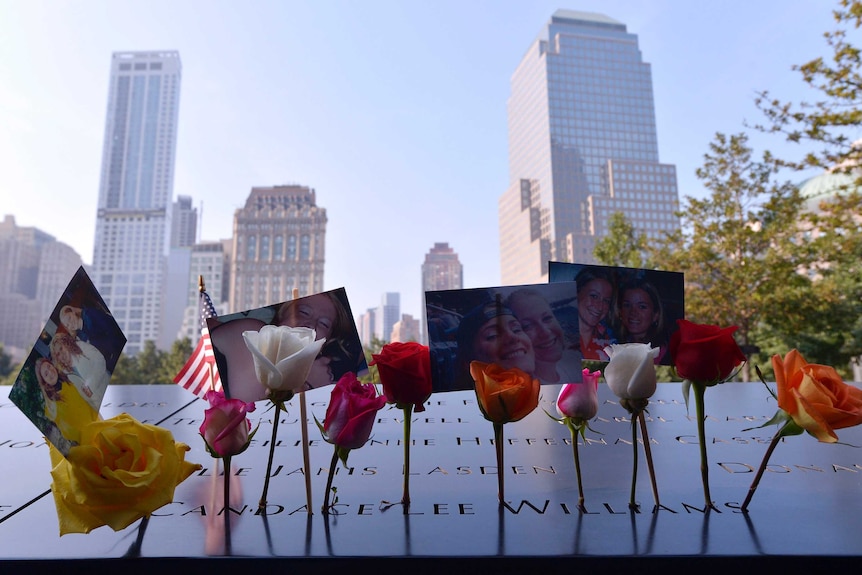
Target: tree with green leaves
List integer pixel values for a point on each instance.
(831, 122)
(738, 246)
(623, 245)
(6, 364)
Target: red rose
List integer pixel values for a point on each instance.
(405, 372)
(704, 353)
(353, 405)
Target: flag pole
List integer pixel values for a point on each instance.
(303, 414)
(202, 289)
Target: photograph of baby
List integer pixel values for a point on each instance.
(623, 305)
(62, 382)
(327, 313)
(531, 327)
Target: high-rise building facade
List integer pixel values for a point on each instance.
(279, 241)
(133, 222)
(388, 313)
(35, 268)
(209, 261)
(441, 270)
(582, 145)
(184, 223)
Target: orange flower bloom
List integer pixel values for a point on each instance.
(504, 395)
(815, 396)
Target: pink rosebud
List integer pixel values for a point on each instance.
(352, 408)
(579, 401)
(225, 428)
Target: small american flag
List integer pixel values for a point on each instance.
(200, 373)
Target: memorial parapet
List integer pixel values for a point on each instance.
(454, 519)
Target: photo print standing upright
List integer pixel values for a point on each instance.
(623, 305)
(530, 327)
(327, 313)
(64, 378)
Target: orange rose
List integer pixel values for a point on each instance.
(815, 396)
(504, 394)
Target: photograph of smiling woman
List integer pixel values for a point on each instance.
(530, 327)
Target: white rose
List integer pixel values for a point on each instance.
(631, 371)
(282, 356)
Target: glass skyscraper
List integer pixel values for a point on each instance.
(133, 223)
(582, 145)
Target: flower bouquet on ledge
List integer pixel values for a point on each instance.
(631, 376)
(350, 415)
(811, 398)
(405, 373)
(504, 395)
(283, 357)
(577, 403)
(704, 355)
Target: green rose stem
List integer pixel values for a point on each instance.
(262, 503)
(699, 391)
(408, 417)
(772, 445)
(498, 445)
(632, 503)
(332, 465)
(648, 453)
(226, 509)
(574, 432)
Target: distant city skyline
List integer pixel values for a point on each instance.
(405, 147)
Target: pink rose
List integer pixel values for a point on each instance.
(579, 401)
(225, 428)
(353, 405)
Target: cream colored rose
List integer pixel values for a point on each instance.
(282, 357)
(631, 371)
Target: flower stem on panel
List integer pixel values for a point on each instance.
(408, 418)
(498, 445)
(576, 456)
(699, 392)
(262, 502)
(648, 454)
(332, 466)
(772, 445)
(632, 503)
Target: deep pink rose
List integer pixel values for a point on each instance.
(225, 428)
(579, 401)
(706, 354)
(353, 405)
(405, 372)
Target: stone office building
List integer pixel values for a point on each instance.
(279, 239)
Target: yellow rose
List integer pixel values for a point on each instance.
(504, 395)
(122, 470)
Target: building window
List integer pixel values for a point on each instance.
(291, 248)
(278, 248)
(252, 247)
(303, 247)
(264, 247)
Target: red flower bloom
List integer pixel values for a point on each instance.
(405, 372)
(703, 353)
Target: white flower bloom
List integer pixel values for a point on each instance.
(282, 356)
(631, 371)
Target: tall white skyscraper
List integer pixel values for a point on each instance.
(133, 224)
(582, 145)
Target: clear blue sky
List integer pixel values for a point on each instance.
(394, 111)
